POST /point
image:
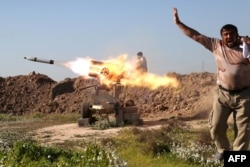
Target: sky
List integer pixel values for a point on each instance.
(64, 30)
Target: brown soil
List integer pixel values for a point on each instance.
(72, 132)
(24, 94)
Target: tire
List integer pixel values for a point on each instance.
(86, 113)
(138, 122)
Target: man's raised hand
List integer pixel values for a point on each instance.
(176, 17)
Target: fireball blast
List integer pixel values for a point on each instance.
(39, 60)
(111, 72)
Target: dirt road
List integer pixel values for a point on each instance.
(66, 132)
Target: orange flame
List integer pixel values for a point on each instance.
(119, 70)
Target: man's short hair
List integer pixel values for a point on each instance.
(139, 54)
(228, 27)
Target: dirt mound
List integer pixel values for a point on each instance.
(38, 93)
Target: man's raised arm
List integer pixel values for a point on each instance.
(195, 35)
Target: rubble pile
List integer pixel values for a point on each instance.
(36, 92)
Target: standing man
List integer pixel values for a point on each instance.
(141, 63)
(232, 94)
(141, 66)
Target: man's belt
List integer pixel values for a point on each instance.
(233, 91)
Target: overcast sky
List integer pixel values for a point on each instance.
(64, 30)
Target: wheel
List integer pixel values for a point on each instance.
(138, 122)
(86, 113)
